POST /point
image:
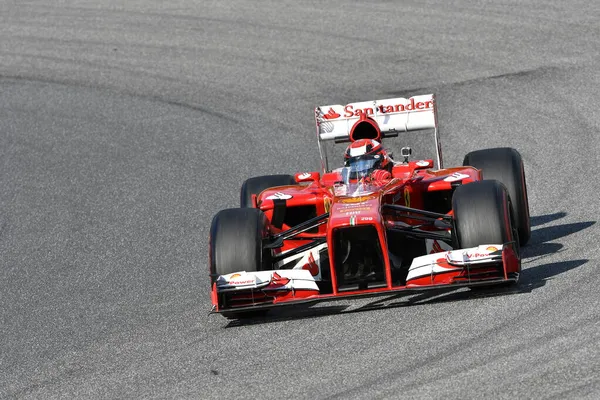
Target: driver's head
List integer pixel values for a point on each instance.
(367, 149)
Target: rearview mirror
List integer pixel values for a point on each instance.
(307, 177)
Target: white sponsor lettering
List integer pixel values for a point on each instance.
(244, 282)
(476, 255)
(241, 280)
(457, 176)
(279, 196)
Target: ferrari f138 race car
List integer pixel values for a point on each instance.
(375, 225)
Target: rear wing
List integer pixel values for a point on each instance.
(393, 116)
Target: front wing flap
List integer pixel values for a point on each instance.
(486, 264)
(244, 289)
(283, 279)
(471, 265)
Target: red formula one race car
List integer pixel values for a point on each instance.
(374, 226)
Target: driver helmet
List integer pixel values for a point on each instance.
(368, 149)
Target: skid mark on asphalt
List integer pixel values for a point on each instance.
(70, 83)
(536, 73)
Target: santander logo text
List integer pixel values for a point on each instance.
(350, 111)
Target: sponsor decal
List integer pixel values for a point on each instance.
(339, 190)
(357, 206)
(436, 248)
(278, 281)
(406, 196)
(422, 163)
(355, 210)
(331, 114)
(326, 127)
(477, 255)
(305, 175)
(311, 265)
(353, 220)
(279, 196)
(350, 111)
(352, 212)
(492, 249)
(239, 280)
(353, 200)
(457, 176)
(366, 218)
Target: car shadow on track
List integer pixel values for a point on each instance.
(544, 219)
(538, 246)
(531, 278)
(555, 232)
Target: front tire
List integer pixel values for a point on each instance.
(236, 242)
(483, 215)
(505, 164)
(237, 237)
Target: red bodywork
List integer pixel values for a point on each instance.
(412, 185)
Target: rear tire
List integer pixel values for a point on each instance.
(254, 186)
(237, 237)
(505, 164)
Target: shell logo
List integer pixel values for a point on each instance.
(492, 249)
(234, 276)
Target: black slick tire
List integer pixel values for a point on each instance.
(237, 236)
(236, 241)
(505, 164)
(483, 215)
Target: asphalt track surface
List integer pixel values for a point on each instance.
(125, 128)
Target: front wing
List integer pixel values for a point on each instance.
(482, 265)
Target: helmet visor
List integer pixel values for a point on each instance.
(361, 167)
